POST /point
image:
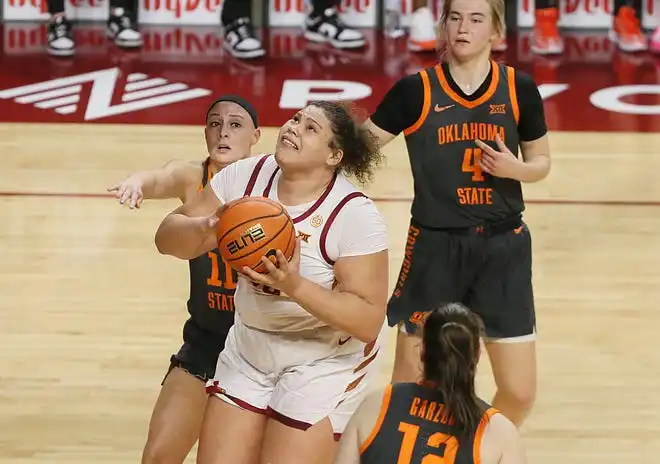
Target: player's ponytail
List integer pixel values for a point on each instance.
(450, 356)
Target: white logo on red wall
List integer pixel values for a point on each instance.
(585, 13)
(23, 37)
(86, 10)
(182, 44)
(180, 12)
(138, 92)
(162, 43)
(356, 13)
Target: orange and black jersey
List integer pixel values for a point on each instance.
(441, 123)
(412, 429)
(402, 105)
(212, 287)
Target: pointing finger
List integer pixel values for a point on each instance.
(486, 148)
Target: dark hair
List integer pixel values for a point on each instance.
(240, 101)
(361, 152)
(450, 356)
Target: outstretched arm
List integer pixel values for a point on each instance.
(169, 181)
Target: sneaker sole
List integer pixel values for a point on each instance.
(422, 46)
(244, 54)
(61, 52)
(343, 44)
(625, 48)
(552, 51)
(123, 43)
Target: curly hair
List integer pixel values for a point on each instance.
(362, 155)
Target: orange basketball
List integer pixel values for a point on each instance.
(252, 227)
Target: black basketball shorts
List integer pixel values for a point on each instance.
(487, 268)
(199, 353)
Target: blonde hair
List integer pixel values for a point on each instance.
(496, 12)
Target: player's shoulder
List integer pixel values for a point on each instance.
(187, 172)
(377, 400)
(252, 161)
(498, 428)
(380, 398)
(347, 193)
(185, 165)
(244, 167)
(412, 81)
(523, 80)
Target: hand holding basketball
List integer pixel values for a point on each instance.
(129, 189)
(501, 163)
(252, 227)
(283, 277)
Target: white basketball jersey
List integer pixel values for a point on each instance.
(319, 225)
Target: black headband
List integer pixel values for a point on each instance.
(240, 101)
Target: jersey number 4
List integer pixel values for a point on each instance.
(410, 435)
(472, 163)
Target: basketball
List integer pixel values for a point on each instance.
(252, 227)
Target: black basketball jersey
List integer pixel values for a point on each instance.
(451, 190)
(212, 287)
(412, 426)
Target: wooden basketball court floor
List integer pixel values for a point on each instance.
(90, 312)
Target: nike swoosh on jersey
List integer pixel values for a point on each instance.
(439, 108)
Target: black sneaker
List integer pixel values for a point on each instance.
(60, 40)
(123, 30)
(330, 28)
(241, 41)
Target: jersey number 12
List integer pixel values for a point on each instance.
(410, 435)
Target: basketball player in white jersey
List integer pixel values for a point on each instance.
(301, 352)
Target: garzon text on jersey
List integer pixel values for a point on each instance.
(429, 410)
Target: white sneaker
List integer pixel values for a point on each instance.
(241, 40)
(122, 28)
(60, 41)
(329, 27)
(422, 36)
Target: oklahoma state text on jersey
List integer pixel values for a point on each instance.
(451, 190)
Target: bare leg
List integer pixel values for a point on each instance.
(407, 363)
(230, 434)
(176, 420)
(316, 445)
(514, 369)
